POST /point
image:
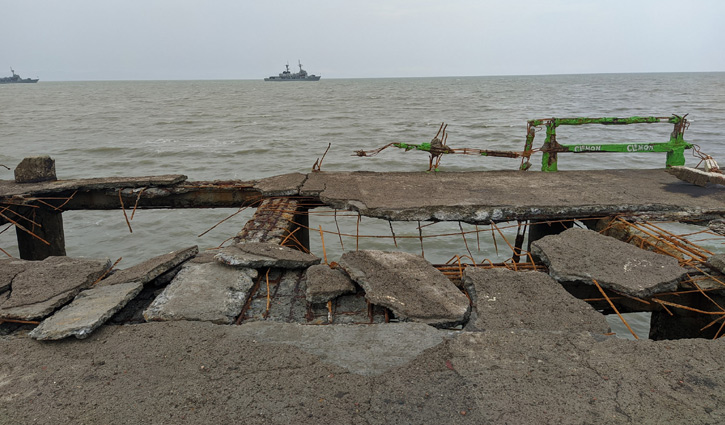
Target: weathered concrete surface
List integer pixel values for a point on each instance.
(282, 185)
(697, 177)
(200, 373)
(361, 349)
(151, 269)
(209, 292)
(324, 284)
(10, 188)
(505, 299)
(9, 268)
(481, 197)
(265, 254)
(408, 285)
(35, 169)
(89, 310)
(48, 284)
(579, 255)
(717, 262)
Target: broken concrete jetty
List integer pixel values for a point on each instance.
(441, 339)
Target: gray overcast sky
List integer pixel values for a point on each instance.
(238, 39)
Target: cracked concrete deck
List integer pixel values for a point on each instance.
(473, 197)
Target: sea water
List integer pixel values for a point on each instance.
(247, 130)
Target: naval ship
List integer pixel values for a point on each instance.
(297, 76)
(16, 79)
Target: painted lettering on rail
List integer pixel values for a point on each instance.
(587, 148)
(640, 148)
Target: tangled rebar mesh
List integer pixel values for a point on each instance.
(507, 239)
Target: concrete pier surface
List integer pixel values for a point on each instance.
(474, 197)
(246, 334)
(274, 373)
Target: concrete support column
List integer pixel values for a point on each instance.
(44, 222)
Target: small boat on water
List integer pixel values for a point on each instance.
(16, 79)
(296, 76)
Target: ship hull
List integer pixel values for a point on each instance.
(292, 79)
(19, 82)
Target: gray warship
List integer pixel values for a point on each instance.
(16, 79)
(297, 76)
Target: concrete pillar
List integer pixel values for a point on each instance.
(44, 221)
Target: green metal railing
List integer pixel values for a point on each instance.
(675, 147)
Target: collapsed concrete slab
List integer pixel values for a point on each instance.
(579, 255)
(325, 284)
(46, 285)
(505, 299)
(209, 292)
(408, 285)
(89, 310)
(265, 254)
(151, 269)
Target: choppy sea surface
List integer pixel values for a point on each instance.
(247, 130)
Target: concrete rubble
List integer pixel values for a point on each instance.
(408, 285)
(92, 307)
(89, 310)
(324, 284)
(506, 299)
(265, 254)
(149, 270)
(46, 285)
(209, 292)
(579, 255)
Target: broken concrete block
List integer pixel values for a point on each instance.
(696, 176)
(35, 169)
(284, 185)
(325, 284)
(506, 299)
(89, 310)
(151, 269)
(9, 268)
(46, 285)
(717, 262)
(208, 292)
(579, 255)
(408, 285)
(264, 254)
